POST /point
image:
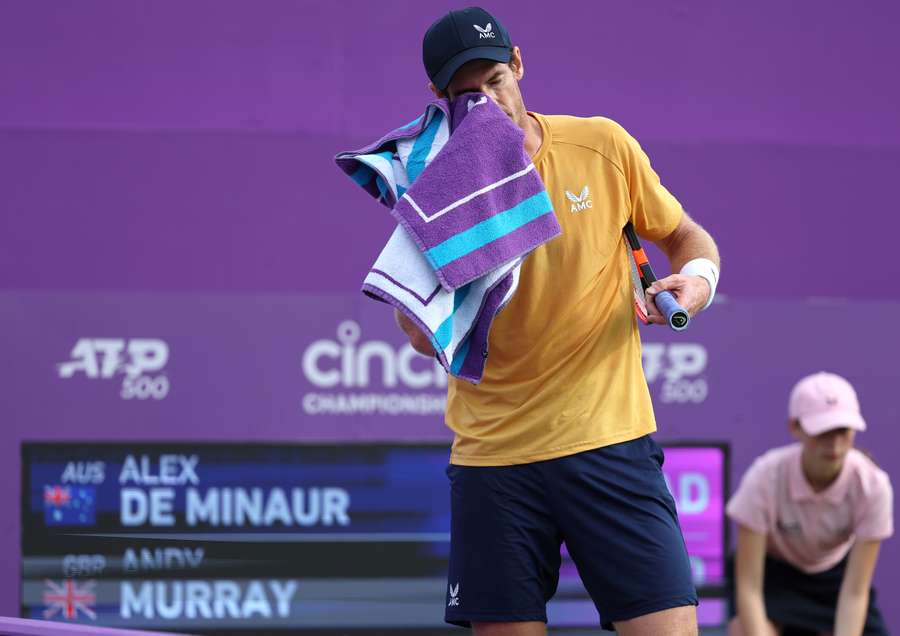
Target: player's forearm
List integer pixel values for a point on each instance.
(851, 612)
(687, 242)
(751, 611)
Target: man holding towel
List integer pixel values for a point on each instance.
(554, 443)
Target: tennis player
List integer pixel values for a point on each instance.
(554, 444)
(811, 517)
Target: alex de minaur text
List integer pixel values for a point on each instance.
(148, 497)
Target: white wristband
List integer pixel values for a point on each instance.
(708, 270)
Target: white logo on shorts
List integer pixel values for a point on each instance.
(454, 596)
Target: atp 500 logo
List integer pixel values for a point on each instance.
(680, 367)
(140, 361)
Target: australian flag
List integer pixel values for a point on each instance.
(70, 505)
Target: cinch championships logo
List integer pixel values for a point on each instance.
(356, 376)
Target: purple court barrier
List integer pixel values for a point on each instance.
(28, 627)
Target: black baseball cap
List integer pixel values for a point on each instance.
(462, 36)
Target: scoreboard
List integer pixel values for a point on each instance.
(262, 538)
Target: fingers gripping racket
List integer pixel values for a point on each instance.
(642, 277)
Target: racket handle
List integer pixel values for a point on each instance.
(676, 315)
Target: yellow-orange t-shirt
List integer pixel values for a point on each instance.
(563, 372)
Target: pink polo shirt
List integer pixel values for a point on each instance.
(813, 531)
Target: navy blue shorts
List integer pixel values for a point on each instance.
(610, 505)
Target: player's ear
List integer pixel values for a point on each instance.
(516, 64)
(794, 429)
(437, 92)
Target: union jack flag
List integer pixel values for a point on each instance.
(57, 495)
(69, 599)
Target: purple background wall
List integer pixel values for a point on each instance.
(185, 147)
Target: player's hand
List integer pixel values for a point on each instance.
(417, 339)
(691, 292)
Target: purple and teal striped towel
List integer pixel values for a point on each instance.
(453, 262)
(456, 322)
(479, 204)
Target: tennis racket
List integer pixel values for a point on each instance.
(642, 277)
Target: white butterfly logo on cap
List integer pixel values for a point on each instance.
(485, 31)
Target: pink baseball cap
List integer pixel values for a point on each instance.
(825, 401)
